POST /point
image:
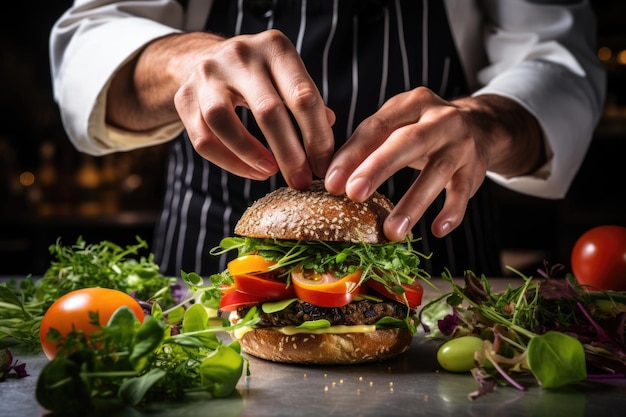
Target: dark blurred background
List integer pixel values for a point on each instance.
(48, 190)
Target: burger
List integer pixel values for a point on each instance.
(317, 281)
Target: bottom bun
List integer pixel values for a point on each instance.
(326, 349)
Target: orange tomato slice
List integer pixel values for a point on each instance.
(249, 264)
(325, 289)
(324, 282)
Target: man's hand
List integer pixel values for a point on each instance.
(453, 144)
(202, 78)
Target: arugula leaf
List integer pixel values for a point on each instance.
(276, 306)
(220, 371)
(391, 323)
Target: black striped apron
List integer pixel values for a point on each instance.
(360, 53)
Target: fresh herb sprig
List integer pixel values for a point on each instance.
(392, 264)
(20, 313)
(105, 264)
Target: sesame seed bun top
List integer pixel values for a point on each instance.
(314, 214)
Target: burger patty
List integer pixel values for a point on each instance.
(360, 312)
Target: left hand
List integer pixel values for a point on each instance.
(453, 144)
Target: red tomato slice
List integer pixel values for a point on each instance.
(249, 264)
(263, 286)
(325, 290)
(413, 292)
(230, 301)
(324, 299)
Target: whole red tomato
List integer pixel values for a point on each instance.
(599, 258)
(71, 311)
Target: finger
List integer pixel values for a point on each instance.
(222, 120)
(422, 193)
(209, 145)
(276, 124)
(366, 138)
(214, 150)
(405, 147)
(458, 193)
(303, 99)
(311, 116)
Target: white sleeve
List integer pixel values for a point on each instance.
(88, 44)
(543, 55)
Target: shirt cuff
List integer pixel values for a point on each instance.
(83, 90)
(553, 95)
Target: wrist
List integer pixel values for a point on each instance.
(510, 135)
(141, 94)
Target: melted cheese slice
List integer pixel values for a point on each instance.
(291, 330)
(361, 328)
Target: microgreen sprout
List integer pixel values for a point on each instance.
(392, 264)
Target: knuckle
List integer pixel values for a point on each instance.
(421, 93)
(304, 96)
(183, 98)
(378, 125)
(237, 51)
(215, 112)
(444, 167)
(268, 109)
(202, 143)
(276, 40)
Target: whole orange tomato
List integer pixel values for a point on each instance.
(599, 258)
(71, 312)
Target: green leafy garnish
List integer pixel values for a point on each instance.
(392, 264)
(556, 359)
(314, 324)
(552, 329)
(126, 362)
(174, 351)
(106, 265)
(81, 265)
(276, 306)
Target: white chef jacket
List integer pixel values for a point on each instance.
(538, 53)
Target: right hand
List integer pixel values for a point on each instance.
(201, 78)
(265, 74)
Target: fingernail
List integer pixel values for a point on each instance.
(266, 166)
(400, 224)
(300, 180)
(445, 228)
(359, 188)
(335, 180)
